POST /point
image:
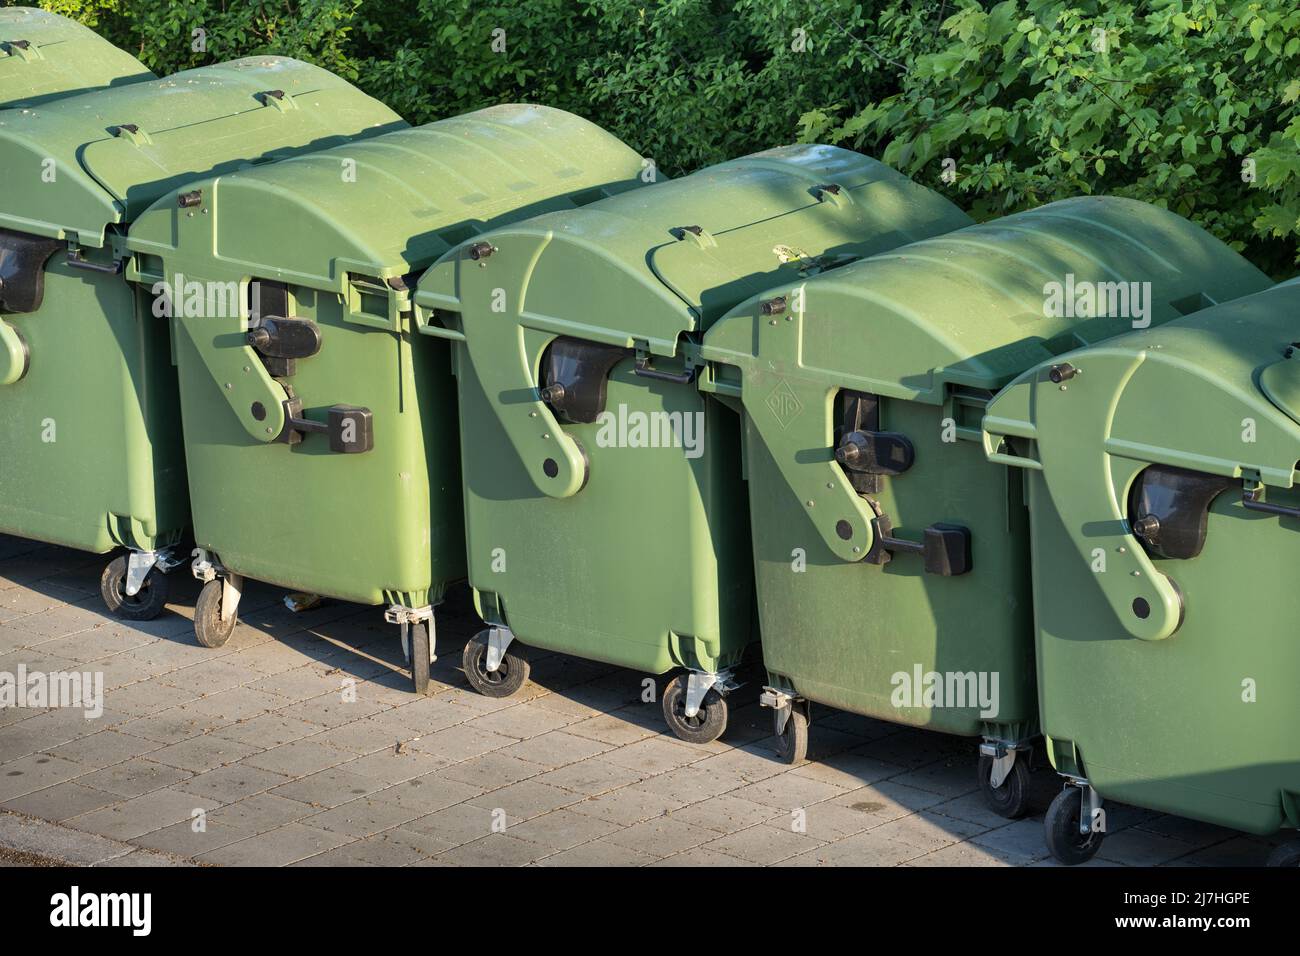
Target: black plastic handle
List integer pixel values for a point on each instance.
(643, 369)
(76, 262)
(1251, 503)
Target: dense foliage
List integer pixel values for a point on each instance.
(1194, 104)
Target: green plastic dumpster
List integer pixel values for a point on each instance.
(1166, 530)
(44, 56)
(604, 498)
(320, 427)
(89, 415)
(891, 558)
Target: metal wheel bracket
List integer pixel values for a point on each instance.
(1091, 802)
(1004, 758)
(499, 639)
(232, 589)
(205, 565)
(781, 702)
(698, 685)
(404, 617)
(138, 566)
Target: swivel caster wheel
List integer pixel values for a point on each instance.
(709, 721)
(145, 605)
(209, 628)
(1011, 799)
(502, 682)
(1061, 826)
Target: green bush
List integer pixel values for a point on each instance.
(1193, 104)
(1190, 104)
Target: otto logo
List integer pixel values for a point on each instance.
(784, 404)
(131, 910)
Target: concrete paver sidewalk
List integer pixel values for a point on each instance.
(299, 743)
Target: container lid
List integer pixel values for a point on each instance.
(392, 204)
(708, 240)
(116, 151)
(977, 306)
(44, 56)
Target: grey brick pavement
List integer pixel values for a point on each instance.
(299, 744)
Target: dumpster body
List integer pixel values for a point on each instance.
(89, 416)
(327, 240)
(44, 57)
(892, 559)
(1166, 530)
(604, 495)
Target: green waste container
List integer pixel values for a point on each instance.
(89, 417)
(604, 498)
(1166, 533)
(892, 559)
(320, 427)
(44, 56)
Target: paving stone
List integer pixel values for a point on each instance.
(238, 703)
(298, 758)
(265, 811)
(497, 849)
(331, 710)
(183, 840)
(929, 831)
(522, 721)
(428, 793)
(627, 805)
(725, 813)
(134, 777)
(455, 825)
(848, 770)
(864, 849)
(887, 800)
(609, 729)
(1134, 847)
(787, 792)
(765, 845)
(232, 783)
(967, 854)
(701, 856)
(35, 772)
(525, 800)
(202, 753)
(592, 777)
(691, 784)
(362, 817)
(661, 836)
(143, 814)
(556, 749)
(493, 768)
(461, 743)
(268, 731)
(1023, 838)
(145, 697)
(598, 853)
(389, 766)
(562, 829)
(329, 788)
(61, 801)
(105, 748)
(57, 842)
(278, 847)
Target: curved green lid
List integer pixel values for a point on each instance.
(977, 306)
(44, 56)
(704, 242)
(392, 204)
(114, 152)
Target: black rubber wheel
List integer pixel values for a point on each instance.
(1287, 855)
(420, 658)
(706, 726)
(1011, 800)
(502, 682)
(145, 605)
(792, 743)
(209, 628)
(1061, 826)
